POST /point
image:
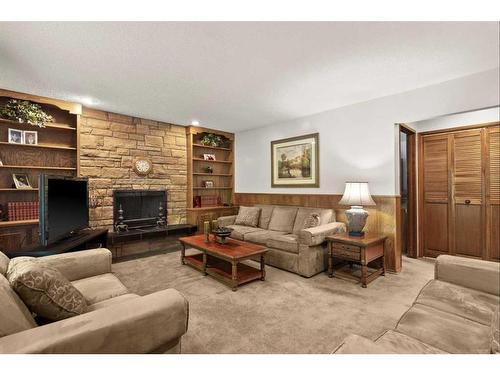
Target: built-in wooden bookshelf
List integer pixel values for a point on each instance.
(56, 152)
(221, 175)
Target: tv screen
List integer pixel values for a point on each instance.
(64, 207)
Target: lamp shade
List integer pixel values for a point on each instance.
(357, 194)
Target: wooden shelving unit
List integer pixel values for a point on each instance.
(57, 152)
(222, 175)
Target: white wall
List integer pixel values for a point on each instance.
(457, 120)
(358, 141)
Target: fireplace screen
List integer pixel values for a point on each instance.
(134, 209)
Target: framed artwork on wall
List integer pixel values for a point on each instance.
(295, 161)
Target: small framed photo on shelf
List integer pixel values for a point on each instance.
(21, 181)
(30, 137)
(16, 136)
(208, 184)
(209, 157)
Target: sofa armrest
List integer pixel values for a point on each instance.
(354, 344)
(224, 221)
(316, 235)
(475, 274)
(139, 325)
(80, 264)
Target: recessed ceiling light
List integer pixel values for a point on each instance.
(195, 123)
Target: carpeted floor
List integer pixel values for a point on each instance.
(286, 313)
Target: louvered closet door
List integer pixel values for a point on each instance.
(467, 231)
(493, 193)
(435, 188)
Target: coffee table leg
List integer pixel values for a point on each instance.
(262, 268)
(234, 275)
(364, 271)
(330, 260)
(205, 263)
(183, 253)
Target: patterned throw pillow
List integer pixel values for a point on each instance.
(248, 216)
(311, 221)
(45, 291)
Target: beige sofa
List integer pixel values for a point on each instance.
(116, 321)
(292, 248)
(457, 312)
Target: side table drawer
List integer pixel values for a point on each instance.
(346, 251)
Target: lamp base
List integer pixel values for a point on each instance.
(356, 220)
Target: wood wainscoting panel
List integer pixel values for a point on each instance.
(383, 217)
(493, 193)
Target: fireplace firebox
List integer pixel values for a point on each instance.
(136, 209)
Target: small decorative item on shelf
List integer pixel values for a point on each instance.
(210, 139)
(16, 136)
(210, 157)
(208, 169)
(197, 201)
(221, 234)
(1, 162)
(30, 137)
(2, 213)
(24, 111)
(21, 181)
(206, 231)
(208, 184)
(209, 200)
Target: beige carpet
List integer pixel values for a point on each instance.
(286, 313)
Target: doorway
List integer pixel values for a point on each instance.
(407, 191)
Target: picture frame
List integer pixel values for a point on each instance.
(208, 184)
(209, 157)
(16, 136)
(30, 137)
(295, 161)
(21, 181)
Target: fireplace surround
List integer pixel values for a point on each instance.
(137, 209)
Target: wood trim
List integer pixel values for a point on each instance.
(73, 108)
(200, 129)
(460, 128)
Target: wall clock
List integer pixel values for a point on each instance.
(142, 166)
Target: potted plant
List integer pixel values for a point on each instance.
(24, 111)
(210, 139)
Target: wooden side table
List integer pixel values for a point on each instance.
(360, 250)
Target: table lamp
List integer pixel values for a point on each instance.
(356, 195)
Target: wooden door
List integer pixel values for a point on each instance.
(466, 231)
(493, 193)
(435, 184)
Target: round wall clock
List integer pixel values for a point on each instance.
(142, 166)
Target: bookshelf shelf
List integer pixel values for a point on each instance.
(15, 223)
(55, 147)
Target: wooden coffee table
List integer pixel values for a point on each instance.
(223, 261)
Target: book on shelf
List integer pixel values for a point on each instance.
(17, 211)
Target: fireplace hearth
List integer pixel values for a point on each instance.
(135, 209)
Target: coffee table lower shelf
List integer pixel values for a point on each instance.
(223, 270)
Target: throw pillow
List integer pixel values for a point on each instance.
(45, 291)
(248, 216)
(311, 221)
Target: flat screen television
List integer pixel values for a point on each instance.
(64, 207)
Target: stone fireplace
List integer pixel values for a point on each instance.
(139, 209)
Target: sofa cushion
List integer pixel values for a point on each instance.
(403, 344)
(99, 288)
(311, 221)
(303, 214)
(495, 332)
(468, 303)
(282, 219)
(112, 301)
(4, 263)
(45, 291)
(239, 231)
(445, 331)
(261, 236)
(248, 216)
(14, 315)
(354, 344)
(287, 243)
(265, 215)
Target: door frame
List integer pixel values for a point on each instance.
(411, 151)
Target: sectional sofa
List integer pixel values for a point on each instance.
(457, 312)
(291, 247)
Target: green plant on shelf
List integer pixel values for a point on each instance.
(210, 139)
(24, 111)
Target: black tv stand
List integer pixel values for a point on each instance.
(81, 240)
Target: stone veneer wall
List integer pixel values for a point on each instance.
(110, 142)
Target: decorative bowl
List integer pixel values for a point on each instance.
(221, 234)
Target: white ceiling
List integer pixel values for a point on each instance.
(236, 76)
